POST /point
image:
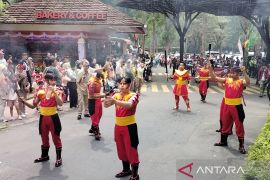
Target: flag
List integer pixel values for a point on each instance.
(240, 47)
(245, 45)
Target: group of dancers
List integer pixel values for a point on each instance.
(49, 98)
(231, 110)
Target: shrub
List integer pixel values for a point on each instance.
(258, 161)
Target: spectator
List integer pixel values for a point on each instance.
(120, 69)
(237, 63)
(23, 86)
(83, 77)
(12, 98)
(25, 62)
(263, 75)
(2, 58)
(129, 73)
(51, 66)
(12, 88)
(72, 87)
(3, 89)
(138, 74)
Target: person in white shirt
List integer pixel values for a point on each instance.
(3, 83)
(120, 69)
(82, 79)
(3, 90)
(2, 59)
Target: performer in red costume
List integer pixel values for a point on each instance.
(125, 133)
(182, 78)
(94, 103)
(204, 83)
(48, 99)
(233, 109)
(221, 110)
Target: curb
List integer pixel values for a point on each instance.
(3, 127)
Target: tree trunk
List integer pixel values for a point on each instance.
(182, 46)
(268, 53)
(153, 49)
(263, 30)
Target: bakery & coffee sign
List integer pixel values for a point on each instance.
(71, 15)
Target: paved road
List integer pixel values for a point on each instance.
(165, 137)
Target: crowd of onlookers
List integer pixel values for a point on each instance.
(24, 79)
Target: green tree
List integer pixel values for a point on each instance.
(219, 32)
(167, 35)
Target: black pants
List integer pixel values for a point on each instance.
(29, 80)
(73, 95)
(66, 92)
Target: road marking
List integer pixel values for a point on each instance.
(217, 89)
(252, 90)
(211, 90)
(165, 88)
(247, 92)
(153, 74)
(190, 89)
(144, 88)
(160, 74)
(195, 88)
(154, 88)
(255, 87)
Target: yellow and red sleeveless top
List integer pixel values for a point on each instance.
(124, 116)
(181, 77)
(233, 91)
(204, 74)
(94, 86)
(48, 107)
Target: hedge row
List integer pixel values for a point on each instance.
(258, 161)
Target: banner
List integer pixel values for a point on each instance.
(240, 48)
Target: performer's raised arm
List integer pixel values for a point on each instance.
(246, 77)
(214, 76)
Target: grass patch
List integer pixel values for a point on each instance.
(258, 161)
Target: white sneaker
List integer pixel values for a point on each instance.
(5, 120)
(23, 115)
(20, 117)
(12, 118)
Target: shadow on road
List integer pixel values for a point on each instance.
(99, 145)
(47, 173)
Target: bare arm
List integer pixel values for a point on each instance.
(32, 106)
(246, 77)
(109, 101)
(123, 104)
(58, 100)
